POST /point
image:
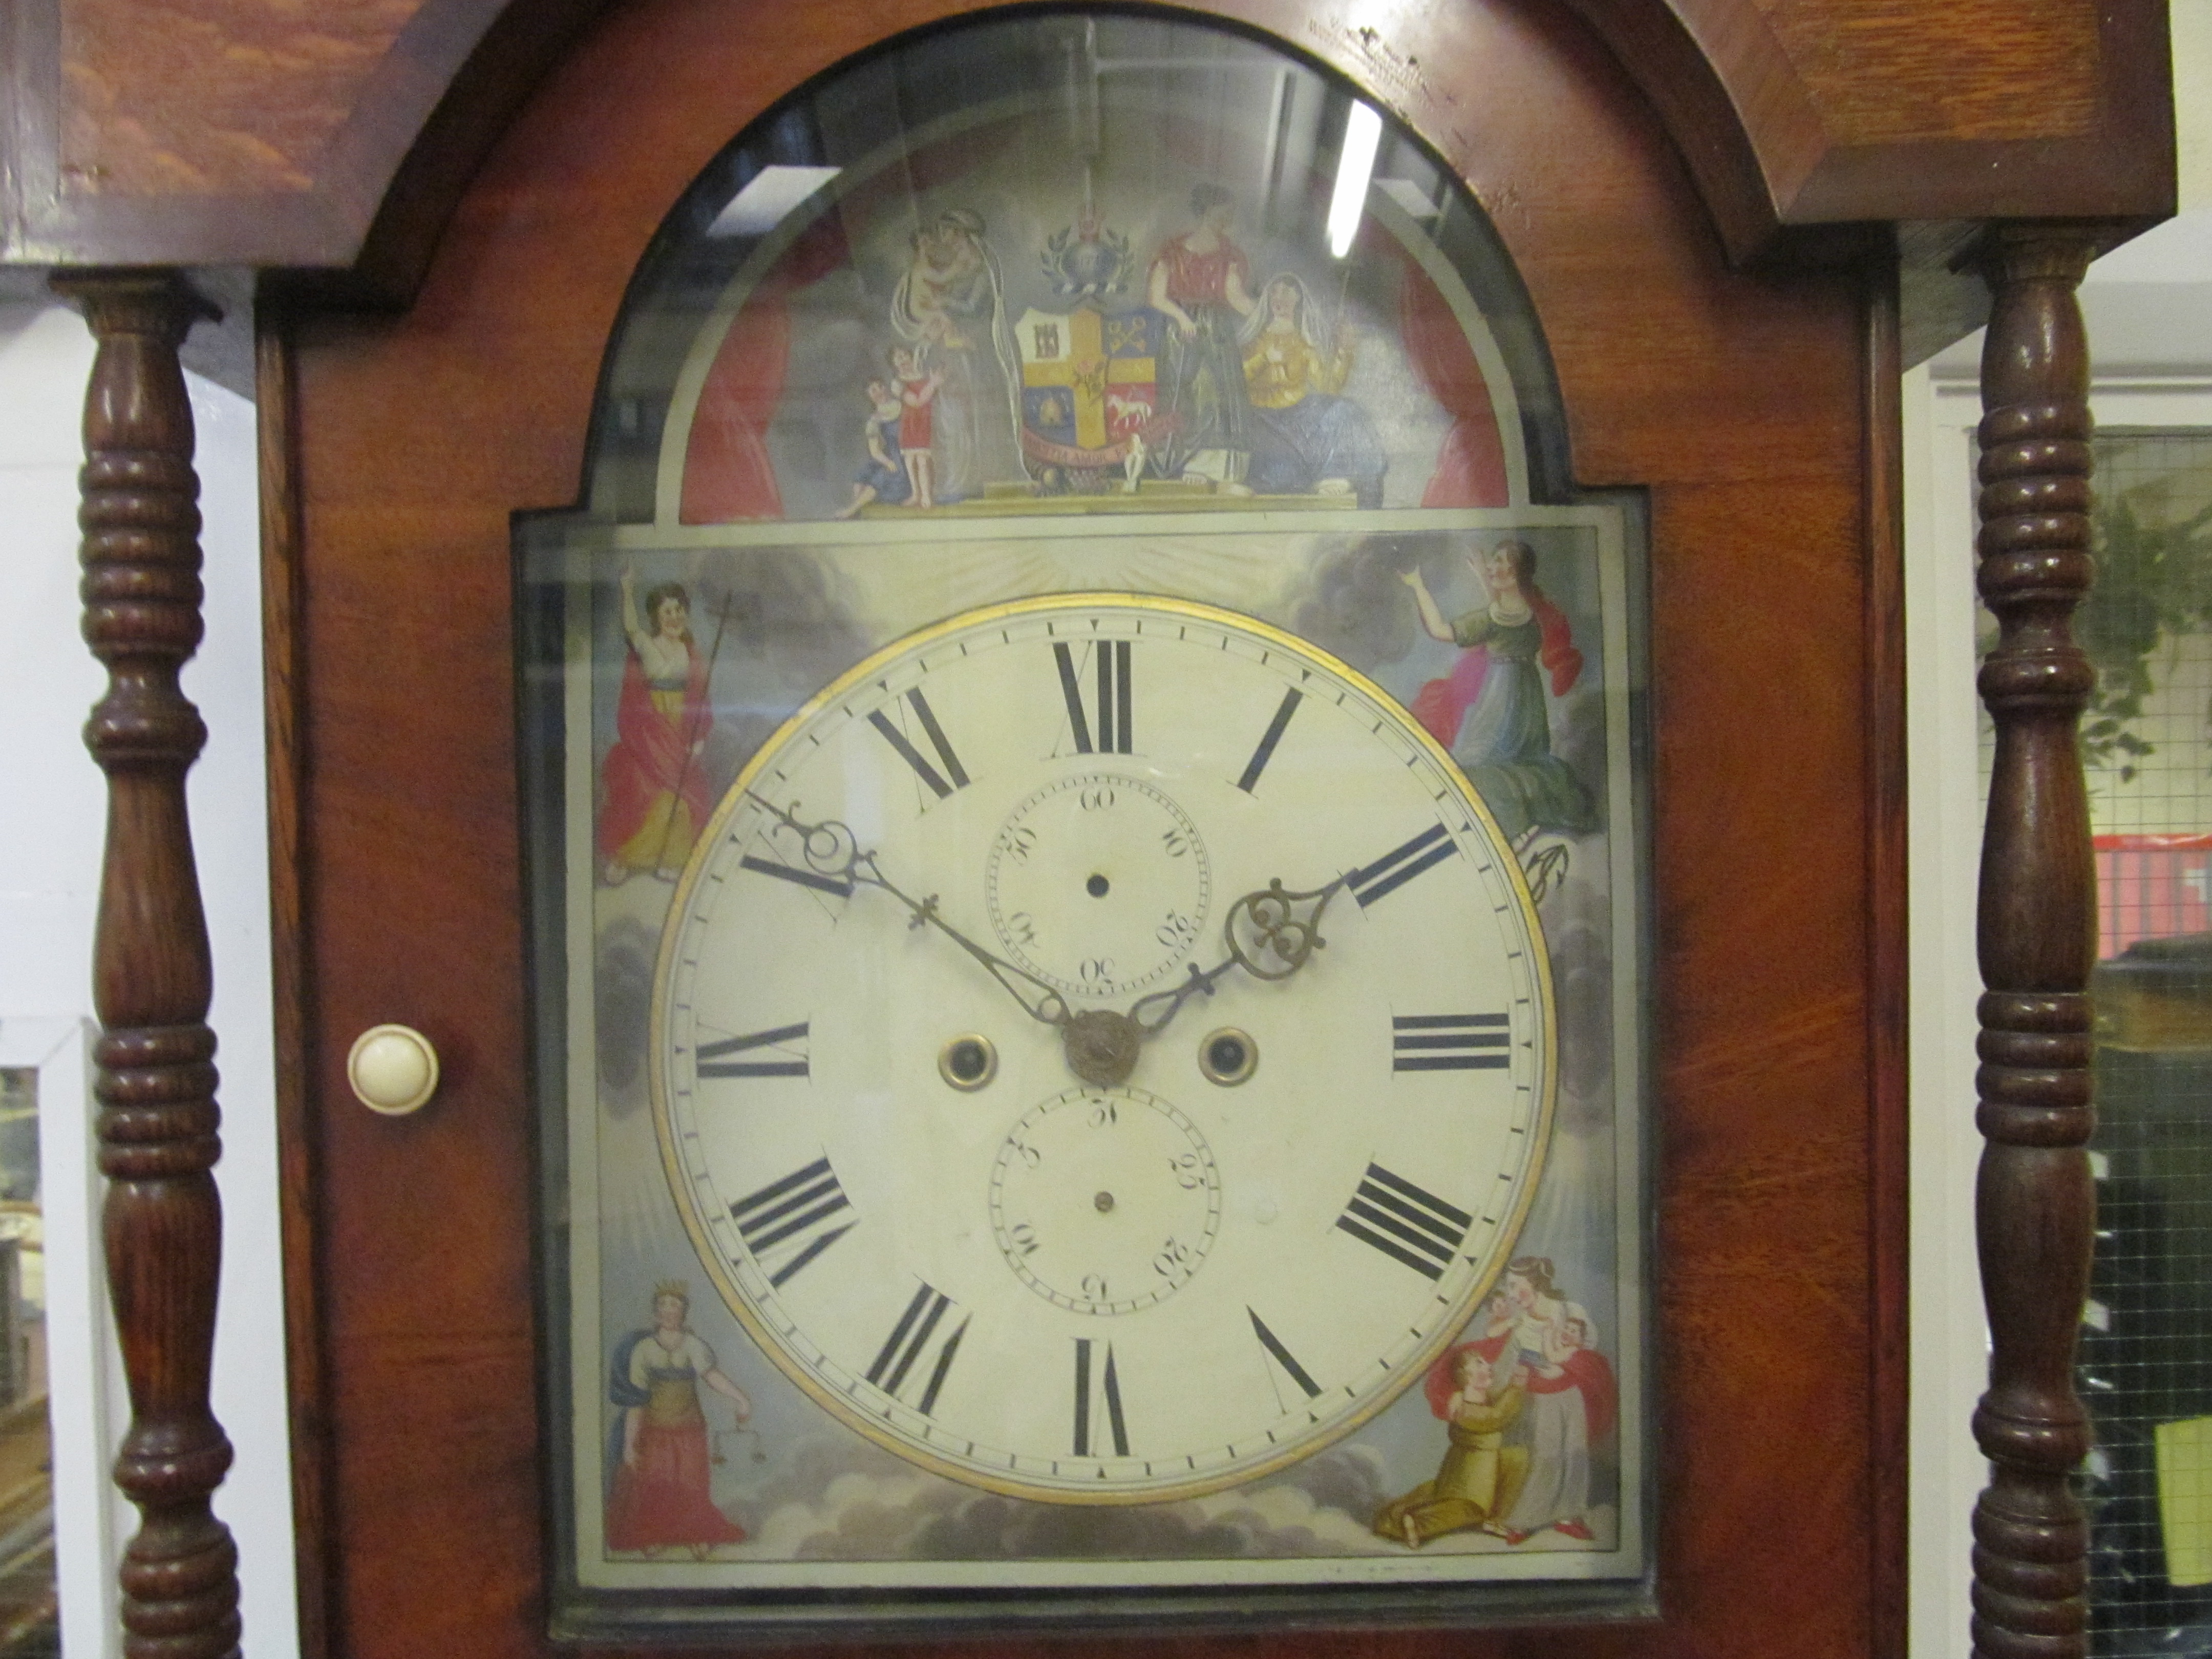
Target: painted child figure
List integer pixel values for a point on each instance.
(916, 392)
(883, 479)
(1480, 1476)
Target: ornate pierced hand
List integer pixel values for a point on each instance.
(832, 851)
(1269, 933)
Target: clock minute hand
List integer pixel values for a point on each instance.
(1048, 1007)
(831, 849)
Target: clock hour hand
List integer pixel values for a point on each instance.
(830, 849)
(1271, 933)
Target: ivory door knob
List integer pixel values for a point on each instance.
(393, 1069)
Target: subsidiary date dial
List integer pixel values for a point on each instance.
(975, 858)
(1105, 1200)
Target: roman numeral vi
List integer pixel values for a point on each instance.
(1097, 1401)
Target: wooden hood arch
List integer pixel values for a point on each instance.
(232, 132)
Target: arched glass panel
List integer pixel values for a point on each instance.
(1084, 819)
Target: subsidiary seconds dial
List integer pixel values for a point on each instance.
(1021, 1144)
(1099, 884)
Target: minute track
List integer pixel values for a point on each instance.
(1281, 1333)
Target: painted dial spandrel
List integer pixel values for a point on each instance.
(1069, 1289)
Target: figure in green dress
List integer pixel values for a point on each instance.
(1480, 1476)
(1489, 710)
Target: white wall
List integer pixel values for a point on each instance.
(51, 812)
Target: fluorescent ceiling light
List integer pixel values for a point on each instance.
(768, 195)
(1355, 165)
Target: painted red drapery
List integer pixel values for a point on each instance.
(727, 474)
(1471, 463)
(1440, 704)
(663, 1498)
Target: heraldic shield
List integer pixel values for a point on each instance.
(1089, 387)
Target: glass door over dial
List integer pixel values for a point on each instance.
(1084, 788)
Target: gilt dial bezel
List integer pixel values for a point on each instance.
(768, 1333)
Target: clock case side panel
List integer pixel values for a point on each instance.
(359, 380)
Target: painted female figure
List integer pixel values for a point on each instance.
(1490, 711)
(1306, 437)
(950, 306)
(1572, 1402)
(1480, 1476)
(655, 796)
(661, 1494)
(1200, 282)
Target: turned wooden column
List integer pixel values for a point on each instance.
(157, 1077)
(2034, 1204)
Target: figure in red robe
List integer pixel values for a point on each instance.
(1200, 282)
(654, 802)
(661, 1496)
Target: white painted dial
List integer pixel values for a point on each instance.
(1011, 1283)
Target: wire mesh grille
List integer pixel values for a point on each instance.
(2146, 1353)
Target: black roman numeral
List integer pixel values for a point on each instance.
(711, 1063)
(1400, 864)
(840, 885)
(1292, 1369)
(1109, 722)
(912, 1341)
(1268, 739)
(1406, 1224)
(1450, 1042)
(913, 756)
(793, 1211)
(1109, 1388)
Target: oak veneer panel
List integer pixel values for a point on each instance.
(188, 97)
(1736, 398)
(1894, 70)
(258, 132)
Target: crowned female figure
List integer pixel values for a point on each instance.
(662, 1493)
(950, 306)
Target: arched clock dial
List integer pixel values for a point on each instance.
(1127, 1264)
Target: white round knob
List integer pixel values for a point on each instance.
(393, 1069)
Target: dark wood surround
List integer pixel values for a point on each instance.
(501, 167)
(1745, 404)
